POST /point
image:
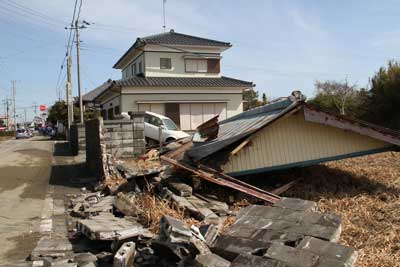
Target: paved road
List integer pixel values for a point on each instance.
(25, 168)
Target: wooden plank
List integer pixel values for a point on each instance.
(219, 180)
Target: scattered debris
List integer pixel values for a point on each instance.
(145, 216)
(125, 255)
(106, 226)
(225, 180)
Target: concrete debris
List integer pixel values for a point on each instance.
(211, 260)
(180, 189)
(132, 169)
(106, 226)
(51, 247)
(329, 250)
(174, 231)
(209, 232)
(86, 205)
(125, 255)
(291, 235)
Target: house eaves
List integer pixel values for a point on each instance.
(171, 39)
(243, 126)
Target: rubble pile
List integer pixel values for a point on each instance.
(157, 218)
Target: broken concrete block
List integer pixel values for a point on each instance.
(106, 226)
(174, 231)
(57, 262)
(230, 247)
(198, 246)
(84, 259)
(291, 256)
(210, 260)
(329, 250)
(209, 232)
(51, 247)
(246, 260)
(125, 255)
(171, 252)
(296, 204)
(180, 189)
(204, 211)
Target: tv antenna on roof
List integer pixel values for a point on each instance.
(164, 1)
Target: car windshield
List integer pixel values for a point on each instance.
(170, 125)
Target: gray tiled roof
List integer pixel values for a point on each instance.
(183, 82)
(166, 82)
(174, 38)
(244, 124)
(91, 95)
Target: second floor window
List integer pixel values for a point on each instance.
(202, 65)
(134, 68)
(165, 63)
(140, 67)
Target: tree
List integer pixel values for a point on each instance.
(250, 98)
(340, 97)
(336, 94)
(2, 122)
(59, 112)
(384, 96)
(264, 99)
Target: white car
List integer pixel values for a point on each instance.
(22, 133)
(170, 132)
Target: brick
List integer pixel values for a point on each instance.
(291, 256)
(210, 260)
(329, 250)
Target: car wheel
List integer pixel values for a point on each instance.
(170, 139)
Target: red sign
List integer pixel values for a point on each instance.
(42, 107)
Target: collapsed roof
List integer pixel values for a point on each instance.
(233, 135)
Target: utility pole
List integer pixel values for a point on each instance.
(164, 1)
(6, 110)
(14, 108)
(35, 108)
(77, 27)
(25, 117)
(68, 93)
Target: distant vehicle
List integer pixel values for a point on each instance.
(3, 129)
(22, 133)
(170, 131)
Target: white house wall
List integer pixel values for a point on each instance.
(224, 101)
(293, 140)
(153, 69)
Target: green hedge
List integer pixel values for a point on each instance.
(9, 133)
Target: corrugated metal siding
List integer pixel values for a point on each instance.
(292, 140)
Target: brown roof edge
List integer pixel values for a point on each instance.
(112, 84)
(314, 114)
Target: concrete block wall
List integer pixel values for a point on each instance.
(125, 138)
(94, 146)
(77, 138)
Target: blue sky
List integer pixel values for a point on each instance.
(279, 45)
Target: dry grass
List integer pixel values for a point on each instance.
(365, 192)
(149, 209)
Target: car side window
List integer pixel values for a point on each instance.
(155, 121)
(147, 118)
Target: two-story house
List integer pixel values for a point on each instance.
(173, 74)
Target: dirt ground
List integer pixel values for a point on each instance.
(365, 192)
(25, 167)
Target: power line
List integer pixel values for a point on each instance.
(35, 12)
